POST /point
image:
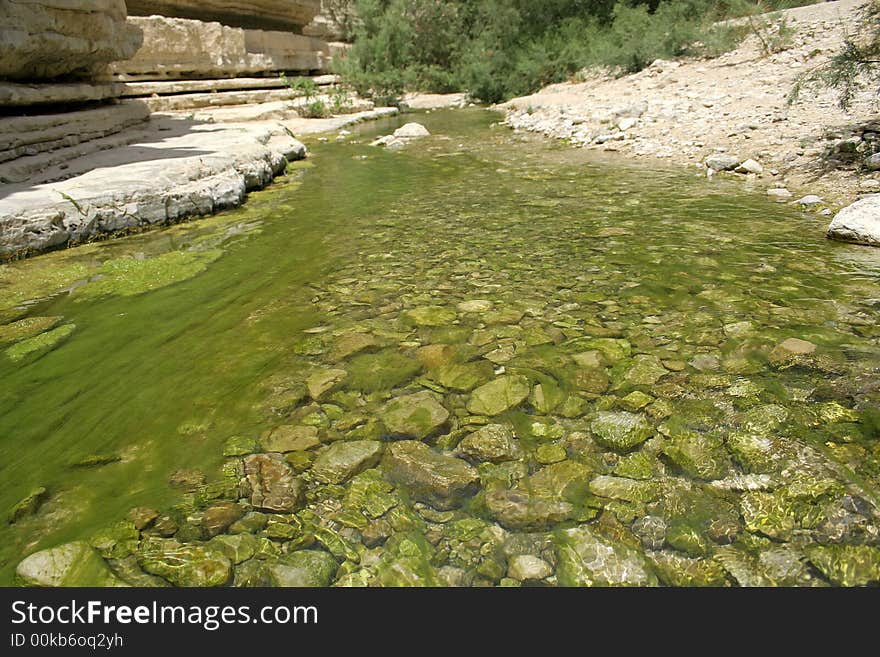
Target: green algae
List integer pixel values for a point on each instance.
(41, 343)
(647, 434)
(130, 276)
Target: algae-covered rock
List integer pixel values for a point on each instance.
(323, 381)
(620, 488)
(549, 454)
(500, 395)
(675, 570)
(620, 430)
(41, 343)
(343, 460)
(303, 568)
(407, 562)
(437, 479)
(238, 548)
(220, 515)
(414, 416)
(26, 328)
(75, 564)
(291, 438)
(847, 565)
(643, 370)
(350, 344)
(520, 509)
(699, 455)
(494, 443)
(527, 567)
(612, 349)
(584, 558)
(28, 505)
(771, 514)
(191, 564)
(463, 377)
(380, 371)
(239, 446)
(130, 276)
(431, 316)
(272, 483)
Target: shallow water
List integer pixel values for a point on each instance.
(632, 313)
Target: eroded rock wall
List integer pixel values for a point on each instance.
(182, 48)
(255, 14)
(44, 39)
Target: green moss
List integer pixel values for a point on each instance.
(383, 370)
(27, 328)
(128, 276)
(40, 344)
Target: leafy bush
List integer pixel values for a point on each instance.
(495, 49)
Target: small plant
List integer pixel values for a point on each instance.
(340, 101)
(304, 87)
(316, 109)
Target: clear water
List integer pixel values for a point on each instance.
(188, 336)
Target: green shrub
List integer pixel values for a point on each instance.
(495, 49)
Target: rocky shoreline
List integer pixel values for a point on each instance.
(174, 168)
(729, 116)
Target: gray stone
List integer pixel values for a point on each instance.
(411, 131)
(749, 166)
(859, 222)
(721, 162)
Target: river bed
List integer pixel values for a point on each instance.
(482, 360)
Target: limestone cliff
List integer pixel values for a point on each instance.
(182, 48)
(43, 39)
(255, 14)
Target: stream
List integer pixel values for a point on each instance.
(485, 359)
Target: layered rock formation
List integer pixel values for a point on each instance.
(44, 39)
(255, 14)
(181, 48)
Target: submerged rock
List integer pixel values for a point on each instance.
(28, 505)
(414, 416)
(500, 395)
(437, 479)
(431, 316)
(272, 483)
(494, 443)
(524, 510)
(588, 559)
(525, 567)
(847, 565)
(303, 568)
(72, 564)
(185, 564)
(620, 430)
(343, 460)
(291, 439)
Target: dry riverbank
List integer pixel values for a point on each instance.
(735, 104)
